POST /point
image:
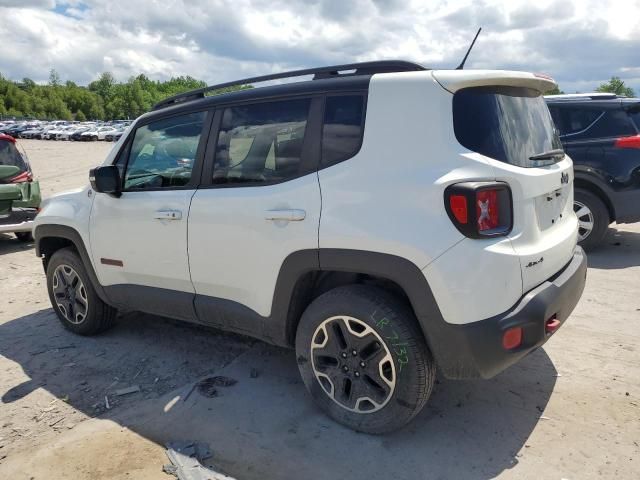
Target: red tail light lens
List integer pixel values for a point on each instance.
(628, 142)
(480, 209)
(23, 177)
(458, 205)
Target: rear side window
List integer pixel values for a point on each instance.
(614, 123)
(572, 121)
(509, 124)
(261, 143)
(342, 128)
(635, 115)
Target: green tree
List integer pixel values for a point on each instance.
(554, 91)
(616, 85)
(103, 99)
(54, 78)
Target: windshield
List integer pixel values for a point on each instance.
(9, 155)
(509, 124)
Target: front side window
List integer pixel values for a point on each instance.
(162, 153)
(261, 143)
(342, 128)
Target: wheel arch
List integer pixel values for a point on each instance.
(51, 238)
(592, 185)
(339, 267)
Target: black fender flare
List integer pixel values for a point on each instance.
(45, 231)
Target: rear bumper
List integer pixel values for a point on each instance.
(475, 350)
(19, 220)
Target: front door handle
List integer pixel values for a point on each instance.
(168, 215)
(287, 215)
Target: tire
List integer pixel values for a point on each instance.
(374, 390)
(96, 316)
(24, 236)
(593, 218)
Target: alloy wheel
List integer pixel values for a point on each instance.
(353, 364)
(70, 294)
(585, 220)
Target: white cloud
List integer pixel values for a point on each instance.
(220, 40)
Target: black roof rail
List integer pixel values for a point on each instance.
(363, 68)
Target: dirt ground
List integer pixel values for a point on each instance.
(570, 410)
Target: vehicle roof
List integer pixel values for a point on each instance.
(347, 83)
(595, 98)
(7, 138)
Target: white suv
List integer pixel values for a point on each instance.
(383, 219)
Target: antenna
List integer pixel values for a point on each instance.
(461, 66)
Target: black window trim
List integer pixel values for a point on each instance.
(365, 97)
(196, 171)
(310, 147)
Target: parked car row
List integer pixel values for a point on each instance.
(63, 130)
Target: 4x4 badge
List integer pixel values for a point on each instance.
(564, 178)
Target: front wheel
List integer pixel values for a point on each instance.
(363, 359)
(75, 301)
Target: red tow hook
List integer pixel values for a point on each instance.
(551, 325)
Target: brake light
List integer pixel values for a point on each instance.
(480, 209)
(21, 178)
(628, 142)
(458, 205)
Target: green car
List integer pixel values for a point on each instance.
(19, 193)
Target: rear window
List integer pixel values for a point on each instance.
(635, 115)
(9, 155)
(509, 124)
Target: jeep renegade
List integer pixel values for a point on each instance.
(383, 219)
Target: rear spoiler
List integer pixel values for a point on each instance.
(454, 80)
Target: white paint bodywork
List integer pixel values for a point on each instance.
(235, 250)
(388, 198)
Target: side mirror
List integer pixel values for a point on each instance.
(106, 179)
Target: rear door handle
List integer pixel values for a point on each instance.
(287, 215)
(168, 215)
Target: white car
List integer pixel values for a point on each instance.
(382, 219)
(95, 134)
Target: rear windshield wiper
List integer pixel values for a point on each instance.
(550, 154)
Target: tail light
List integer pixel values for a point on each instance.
(480, 209)
(628, 142)
(21, 178)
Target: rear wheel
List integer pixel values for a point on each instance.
(75, 301)
(363, 359)
(593, 218)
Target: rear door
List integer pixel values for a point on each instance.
(512, 127)
(259, 203)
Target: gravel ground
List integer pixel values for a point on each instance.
(570, 410)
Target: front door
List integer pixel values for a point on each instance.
(139, 240)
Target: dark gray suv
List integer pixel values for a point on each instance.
(601, 134)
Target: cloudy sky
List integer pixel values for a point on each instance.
(581, 43)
